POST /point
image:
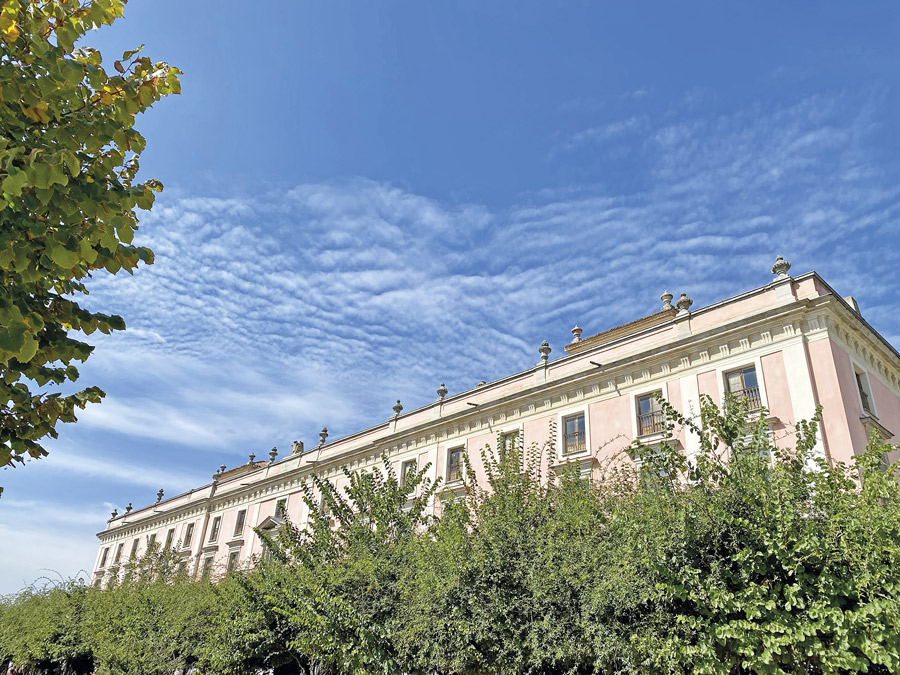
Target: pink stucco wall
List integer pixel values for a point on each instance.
(611, 428)
(778, 396)
(887, 407)
(708, 383)
(834, 385)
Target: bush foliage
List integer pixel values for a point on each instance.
(747, 558)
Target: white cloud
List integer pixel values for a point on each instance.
(266, 318)
(115, 469)
(605, 132)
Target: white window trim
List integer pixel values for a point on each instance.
(184, 529)
(647, 439)
(218, 533)
(737, 363)
(239, 533)
(857, 367)
(412, 462)
(511, 429)
(561, 433)
(231, 551)
(462, 466)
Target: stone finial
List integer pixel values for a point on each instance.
(273, 453)
(576, 334)
(442, 391)
(115, 512)
(666, 298)
(323, 435)
(481, 383)
(397, 408)
(781, 267)
(128, 508)
(684, 303)
(297, 448)
(159, 495)
(222, 469)
(252, 457)
(544, 350)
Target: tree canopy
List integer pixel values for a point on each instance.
(752, 557)
(68, 202)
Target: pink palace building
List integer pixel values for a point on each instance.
(787, 347)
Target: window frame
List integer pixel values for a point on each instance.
(120, 547)
(170, 538)
(188, 535)
(240, 522)
(517, 433)
(134, 548)
(561, 430)
(104, 557)
(281, 507)
(636, 396)
(461, 449)
(742, 362)
(215, 528)
(206, 566)
(233, 560)
(405, 466)
(726, 390)
(858, 371)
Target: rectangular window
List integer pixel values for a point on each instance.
(649, 414)
(865, 398)
(743, 385)
(405, 469)
(170, 538)
(151, 540)
(454, 465)
(508, 441)
(233, 558)
(104, 557)
(118, 553)
(134, 548)
(207, 567)
(214, 531)
(281, 508)
(574, 440)
(239, 523)
(188, 535)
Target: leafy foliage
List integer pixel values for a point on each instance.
(68, 201)
(751, 556)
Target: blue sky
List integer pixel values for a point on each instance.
(364, 200)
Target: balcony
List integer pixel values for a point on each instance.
(750, 395)
(574, 443)
(651, 423)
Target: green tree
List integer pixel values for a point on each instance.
(764, 558)
(327, 598)
(751, 556)
(68, 201)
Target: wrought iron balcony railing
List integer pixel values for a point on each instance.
(751, 395)
(574, 443)
(651, 423)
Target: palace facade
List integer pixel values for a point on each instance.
(786, 347)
